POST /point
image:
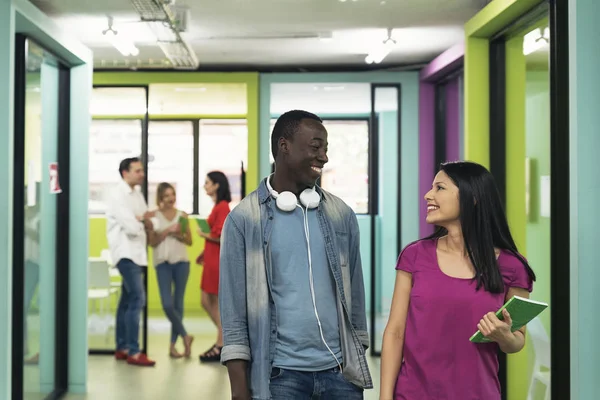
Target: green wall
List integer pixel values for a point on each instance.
(98, 242)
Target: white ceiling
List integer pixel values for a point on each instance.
(259, 33)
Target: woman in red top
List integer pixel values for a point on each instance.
(216, 186)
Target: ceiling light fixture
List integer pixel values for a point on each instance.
(168, 23)
(382, 50)
(124, 46)
(536, 40)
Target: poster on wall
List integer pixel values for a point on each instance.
(54, 182)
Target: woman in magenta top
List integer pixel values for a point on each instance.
(449, 285)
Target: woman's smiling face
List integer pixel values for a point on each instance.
(443, 207)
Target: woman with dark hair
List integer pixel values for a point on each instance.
(216, 186)
(169, 240)
(448, 286)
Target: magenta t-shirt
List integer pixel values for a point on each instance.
(440, 363)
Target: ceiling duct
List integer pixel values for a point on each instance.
(167, 25)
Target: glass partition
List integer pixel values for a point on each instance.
(118, 101)
(39, 221)
(520, 158)
(189, 99)
(385, 236)
(537, 153)
(110, 142)
(223, 146)
(117, 131)
(171, 159)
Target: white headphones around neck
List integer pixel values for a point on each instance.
(286, 201)
(310, 199)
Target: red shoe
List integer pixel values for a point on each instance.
(121, 355)
(141, 361)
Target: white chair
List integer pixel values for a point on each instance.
(99, 289)
(541, 347)
(112, 271)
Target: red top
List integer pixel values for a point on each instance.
(215, 220)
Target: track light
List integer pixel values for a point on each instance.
(382, 50)
(124, 46)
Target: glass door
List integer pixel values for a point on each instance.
(119, 130)
(385, 236)
(37, 198)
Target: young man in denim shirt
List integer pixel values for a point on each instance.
(291, 289)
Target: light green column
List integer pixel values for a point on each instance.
(7, 39)
(584, 98)
(477, 101)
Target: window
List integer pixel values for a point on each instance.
(171, 159)
(223, 146)
(110, 142)
(195, 98)
(346, 175)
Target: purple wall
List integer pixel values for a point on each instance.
(426, 150)
(436, 70)
(452, 120)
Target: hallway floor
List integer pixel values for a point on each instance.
(170, 379)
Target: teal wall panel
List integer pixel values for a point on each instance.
(7, 34)
(584, 98)
(21, 16)
(81, 77)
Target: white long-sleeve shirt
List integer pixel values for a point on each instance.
(126, 235)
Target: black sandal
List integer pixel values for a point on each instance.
(212, 355)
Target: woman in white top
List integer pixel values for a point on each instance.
(169, 240)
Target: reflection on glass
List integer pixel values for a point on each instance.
(341, 99)
(537, 136)
(346, 174)
(39, 223)
(110, 142)
(223, 146)
(117, 101)
(197, 98)
(171, 159)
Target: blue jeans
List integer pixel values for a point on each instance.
(323, 385)
(130, 307)
(172, 279)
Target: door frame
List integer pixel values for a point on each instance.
(144, 157)
(374, 199)
(61, 288)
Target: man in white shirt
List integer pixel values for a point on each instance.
(127, 223)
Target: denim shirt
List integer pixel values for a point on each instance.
(245, 301)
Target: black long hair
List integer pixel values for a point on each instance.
(223, 192)
(483, 222)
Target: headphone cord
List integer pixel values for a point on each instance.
(311, 285)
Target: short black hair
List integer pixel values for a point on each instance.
(126, 164)
(287, 125)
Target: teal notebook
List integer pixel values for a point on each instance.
(521, 311)
(203, 225)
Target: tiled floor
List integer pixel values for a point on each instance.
(169, 379)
